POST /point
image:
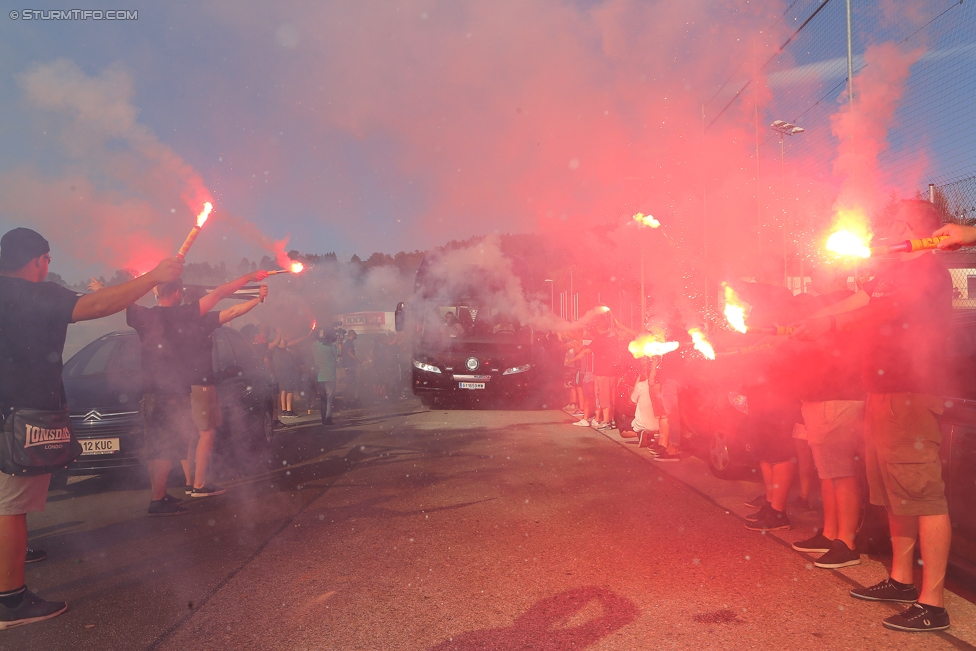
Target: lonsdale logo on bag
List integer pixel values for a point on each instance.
(44, 436)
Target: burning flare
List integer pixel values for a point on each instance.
(851, 236)
(297, 267)
(646, 220)
(648, 345)
(191, 238)
(202, 217)
(701, 344)
(735, 310)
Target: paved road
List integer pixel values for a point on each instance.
(461, 530)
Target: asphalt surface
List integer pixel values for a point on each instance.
(404, 528)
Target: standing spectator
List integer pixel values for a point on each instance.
(903, 316)
(605, 350)
(584, 357)
(286, 370)
(326, 358)
(34, 318)
(351, 364)
(204, 407)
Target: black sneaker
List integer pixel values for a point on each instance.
(665, 456)
(885, 591)
(208, 491)
(31, 609)
(35, 555)
(802, 503)
(327, 421)
(172, 500)
(757, 502)
(839, 555)
(166, 507)
(771, 520)
(918, 618)
(752, 517)
(187, 490)
(819, 544)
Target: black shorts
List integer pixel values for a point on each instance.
(168, 426)
(771, 431)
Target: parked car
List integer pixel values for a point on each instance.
(103, 384)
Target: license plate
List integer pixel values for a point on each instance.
(471, 385)
(99, 446)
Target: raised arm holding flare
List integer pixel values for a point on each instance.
(241, 309)
(957, 236)
(226, 290)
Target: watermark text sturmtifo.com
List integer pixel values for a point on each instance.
(74, 14)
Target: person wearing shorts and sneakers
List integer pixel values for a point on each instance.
(204, 407)
(833, 416)
(903, 316)
(604, 348)
(34, 318)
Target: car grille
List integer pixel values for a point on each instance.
(94, 424)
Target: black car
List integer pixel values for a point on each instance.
(104, 385)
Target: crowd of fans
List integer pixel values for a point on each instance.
(854, 389)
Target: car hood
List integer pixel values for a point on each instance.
(107, 393)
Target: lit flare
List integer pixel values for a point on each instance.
(701, 344)
(297, 267)
(191, 238)
(735, 310)
(851, 235)
(646, 220)
(647, 345)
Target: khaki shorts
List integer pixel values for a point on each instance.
(901, 450)
(204, 407)
(168, 426)
(19, 495)
(834, 429)
(604, 387)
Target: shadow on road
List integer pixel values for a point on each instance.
(547, 626)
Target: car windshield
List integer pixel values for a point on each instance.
(469, 321)
(93, 359)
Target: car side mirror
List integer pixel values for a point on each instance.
(399, 317)
(233, 371)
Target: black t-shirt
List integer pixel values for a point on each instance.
(199, 349)
(830, 367)
(348, 352)
(605, 351)
(904, 351)
(34, 320)
(164, 332)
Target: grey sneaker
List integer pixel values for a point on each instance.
(208, 491)
(31, 609)
(885, 591)
(918, 618)
(839, 555)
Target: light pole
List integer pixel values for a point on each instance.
(784, 128)
(572, 300)
(552, 293)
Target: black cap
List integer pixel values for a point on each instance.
(19, 246)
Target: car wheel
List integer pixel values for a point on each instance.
(428, 400)
(720, 458)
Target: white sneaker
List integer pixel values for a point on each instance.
(582, 422)
(594, 422)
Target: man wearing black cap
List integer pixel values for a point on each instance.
(34, 318)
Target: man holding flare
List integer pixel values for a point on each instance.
(902, 316)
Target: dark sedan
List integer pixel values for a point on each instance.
(103, 384)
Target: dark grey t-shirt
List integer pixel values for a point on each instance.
(34, 320)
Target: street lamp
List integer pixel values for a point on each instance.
(552, 293)
(784, 128)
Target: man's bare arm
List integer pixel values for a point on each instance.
(226, 290)
(241, 309)
(110, 300)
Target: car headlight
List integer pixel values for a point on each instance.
(517, 369)
(430, 368)
(740, 402)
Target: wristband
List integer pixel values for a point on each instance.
(833, 323)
